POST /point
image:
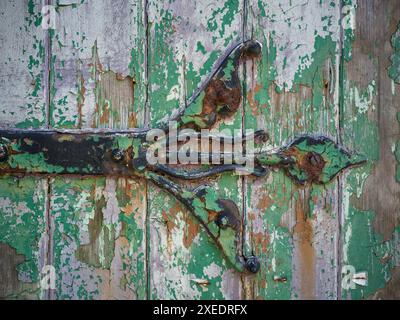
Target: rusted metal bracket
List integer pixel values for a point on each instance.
(306, 160)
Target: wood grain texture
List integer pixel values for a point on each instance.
(22, 65)
(370, 125)
(23, 237)
(97, 61)
(98, 238)
(23, 232)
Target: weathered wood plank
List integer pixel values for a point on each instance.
(23, 237)
(369, 124)
(98, 81)
(293, 90)
(185, 39)
(98, 236)
(23, 233)
(98, 65)
(22, 60)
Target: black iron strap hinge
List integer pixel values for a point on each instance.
(306, 159)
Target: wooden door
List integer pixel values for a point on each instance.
(327, 67)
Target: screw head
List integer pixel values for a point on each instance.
(222, 221)
(315, 159)
(117, 155)
(252, 264)
(3, 153)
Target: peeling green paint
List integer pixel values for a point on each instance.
(367, 252)
(164, 75)
(22, 227)
(394, 73)
(397, 154)
(35, 67)
(99, 244)
(363, 247)
(88, 225)
(276, 258)
(286, 107)
(394, 69)
(173, 78)
(349, 8)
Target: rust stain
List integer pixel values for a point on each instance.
(191, 230)
(132, 120)
(310, 162)
(128, 209)
(223, 94)
(252, 216)
(170, 225)
(170, 218)
(212, 215)
(254, 105)
(95, 64)
(261, 240)
(126, 187)
(132, 201)
(81, 99)
(217, 94)
(264, 202)
(313, 164)
(303, 235)
(104, 113)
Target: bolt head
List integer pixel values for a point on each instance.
(222, 221)
(117, 155)
(252, 264)
(3, 153)
(315, 159)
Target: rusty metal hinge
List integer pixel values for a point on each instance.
(307, 159)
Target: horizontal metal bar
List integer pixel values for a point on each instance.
(135, 132)
(44, 151)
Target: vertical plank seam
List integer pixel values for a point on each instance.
(47, 63)
(243, 178)
(49, 230)
(47, 74)
(146, 120)
(340, 180)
